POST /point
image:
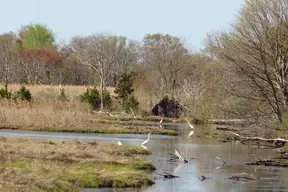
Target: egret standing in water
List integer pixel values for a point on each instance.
(146, 141)
(160, 123)
(191, 126)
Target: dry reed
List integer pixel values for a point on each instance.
(42, 165)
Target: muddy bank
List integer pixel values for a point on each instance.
(43, 165)
(280, 161)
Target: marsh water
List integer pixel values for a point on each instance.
(201, 150)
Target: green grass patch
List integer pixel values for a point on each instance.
(102, 129)
(14, 164)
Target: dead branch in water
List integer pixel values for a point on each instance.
(278, 142)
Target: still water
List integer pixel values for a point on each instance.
(201, 150)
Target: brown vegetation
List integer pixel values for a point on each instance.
(70, 116)
(40, 165)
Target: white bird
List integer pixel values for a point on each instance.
(190, 134)
(161, 120)
(191, 126)
(146, 141)
(144, 147)
(119, 143)
(221, 160)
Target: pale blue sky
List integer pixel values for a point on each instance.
(190, 19)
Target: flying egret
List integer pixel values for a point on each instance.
(190, 134)
(191, 126)
(119, 143)
(146, 141)
(221, 160)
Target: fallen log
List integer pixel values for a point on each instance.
(278, 142)
(243, 177)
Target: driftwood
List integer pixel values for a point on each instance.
(167, 175)
(176, 156)
(243, 177)
(227, 121)
(277, 162)
(278, 142)
(202, 178)
(225, 128)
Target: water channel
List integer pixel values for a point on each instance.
(201, 150)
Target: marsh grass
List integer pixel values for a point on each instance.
(39, 165)
(67, 116)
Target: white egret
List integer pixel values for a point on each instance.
(119, 143)
(144, 147)
(190, 134)
(191, 126)
(146, 141)
(161, 120)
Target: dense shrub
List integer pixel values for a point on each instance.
(107, 100)
(23, 94)
(5, 94)
(92, 97)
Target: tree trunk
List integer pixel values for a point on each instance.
(101, 93)
(6, 78)
(6, 84)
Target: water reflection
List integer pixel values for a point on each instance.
(201, 151)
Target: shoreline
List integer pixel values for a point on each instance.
(103, 129)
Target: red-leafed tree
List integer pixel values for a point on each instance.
(38, 64)
(37, 53)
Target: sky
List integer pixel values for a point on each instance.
(188, 19)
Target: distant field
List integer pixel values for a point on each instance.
(50, 92)
(44, 92)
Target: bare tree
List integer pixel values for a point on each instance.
(7, 57)
(255, 52)
(101, 53)
(127, 56)
(166, 54)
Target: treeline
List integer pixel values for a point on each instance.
(161, 62)
(241, 73)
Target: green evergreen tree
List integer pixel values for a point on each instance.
(124, 87)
